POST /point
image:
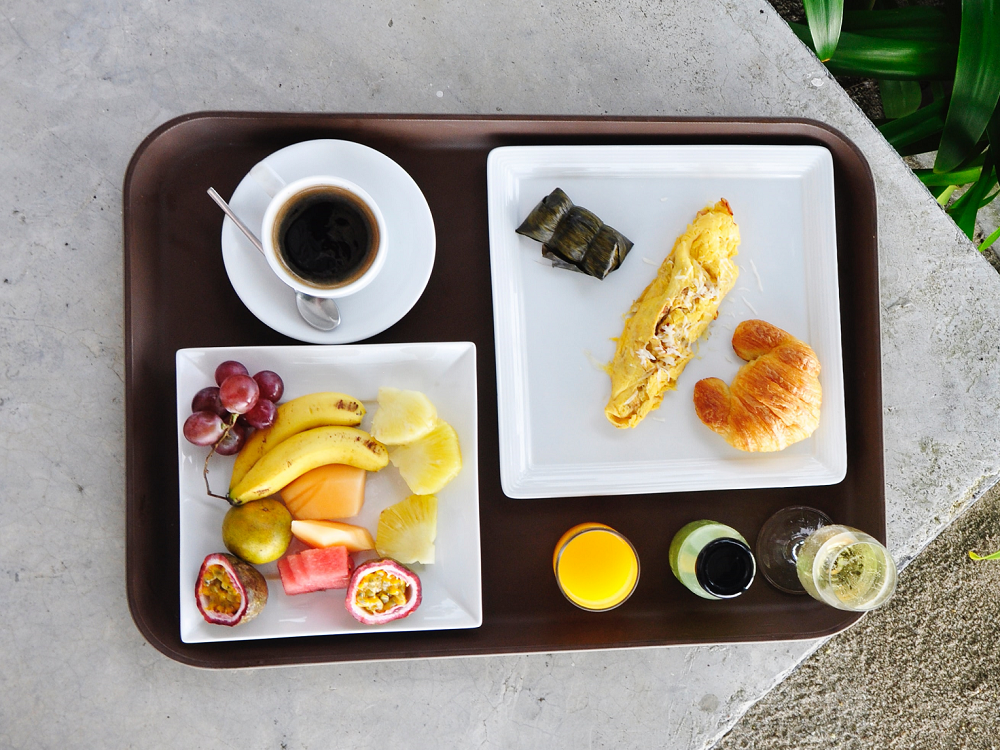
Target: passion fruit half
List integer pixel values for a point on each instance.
(381, 591)
(229, 591)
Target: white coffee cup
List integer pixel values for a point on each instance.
(287, 205)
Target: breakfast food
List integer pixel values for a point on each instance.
(306, 467)
(315, 570)
(221, 413)
(329, 491)
(671, 314)
(775, 398)
(407, 530)
(305, 451)
(304, 413)
(402, 416)
(333, 534)
(382, 591)
(428, 464)
(257, 532)
(229, 591)
(574, 237)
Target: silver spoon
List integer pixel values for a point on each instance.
(319, 312)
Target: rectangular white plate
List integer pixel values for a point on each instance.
(452, 586)
(555, 328)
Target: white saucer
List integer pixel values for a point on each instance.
(409, 226)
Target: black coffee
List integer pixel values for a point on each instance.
(326, 236)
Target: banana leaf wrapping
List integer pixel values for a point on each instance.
(573, 237)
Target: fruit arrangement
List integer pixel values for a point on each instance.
(222, 414)
(300, 474)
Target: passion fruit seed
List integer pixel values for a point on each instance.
(217, 591)
(228, 591)
(380, 591)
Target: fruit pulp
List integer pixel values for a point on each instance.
(407, 530)
(596, 567)
(329, 491)
(217, 591)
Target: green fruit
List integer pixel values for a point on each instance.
(257, 532)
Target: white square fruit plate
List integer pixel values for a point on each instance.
(452, 586)
(555, 329)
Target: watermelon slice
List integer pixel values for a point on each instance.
(315, 570)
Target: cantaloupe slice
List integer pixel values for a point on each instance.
(333, 534)
(331, 491)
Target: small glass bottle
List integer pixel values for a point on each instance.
(713, 560)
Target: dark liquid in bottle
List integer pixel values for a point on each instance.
(725, 568)
(327, 237)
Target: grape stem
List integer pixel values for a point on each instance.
(208, 489)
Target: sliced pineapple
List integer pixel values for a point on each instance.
(402, 416)
(406, 530)
(428, 464)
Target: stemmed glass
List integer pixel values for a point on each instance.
(800, 550)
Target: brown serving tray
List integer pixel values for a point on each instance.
(177, 295)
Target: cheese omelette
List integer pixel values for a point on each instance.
(671, 314)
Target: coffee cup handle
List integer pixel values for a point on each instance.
(267, 178)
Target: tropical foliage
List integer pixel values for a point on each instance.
(938, 70)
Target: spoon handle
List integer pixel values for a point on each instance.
(236, 219)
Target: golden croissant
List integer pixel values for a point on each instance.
(775, 398)
(671, 313)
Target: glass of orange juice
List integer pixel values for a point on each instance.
(596, 568)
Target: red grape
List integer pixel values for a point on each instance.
(207, 399)
(239, 393)
(227, 369)
(203, 428)
(232, 442)
(262, 415)
(271, 386)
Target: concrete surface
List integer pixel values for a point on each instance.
(84, 82)
(857, 692)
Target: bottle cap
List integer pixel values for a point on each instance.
(725, 568)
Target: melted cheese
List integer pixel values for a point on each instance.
(671, 314)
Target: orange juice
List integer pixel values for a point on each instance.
(595, 566)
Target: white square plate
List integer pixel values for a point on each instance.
(452, 586)
(555, 328)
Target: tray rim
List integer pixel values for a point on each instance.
(784, 129)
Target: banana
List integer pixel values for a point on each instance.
(303, 413)
(305, 451)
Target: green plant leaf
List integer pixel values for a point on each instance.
(824, 18)
(977, 82)
(964, 210)
(899, 98)
(921, 125)
(986, 243)
(922, 146)
(994, 556)
(903, 23)
(897, 59)
(942, 179)
(993, 135)
(943, 193)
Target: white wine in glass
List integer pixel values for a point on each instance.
(846, 568)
